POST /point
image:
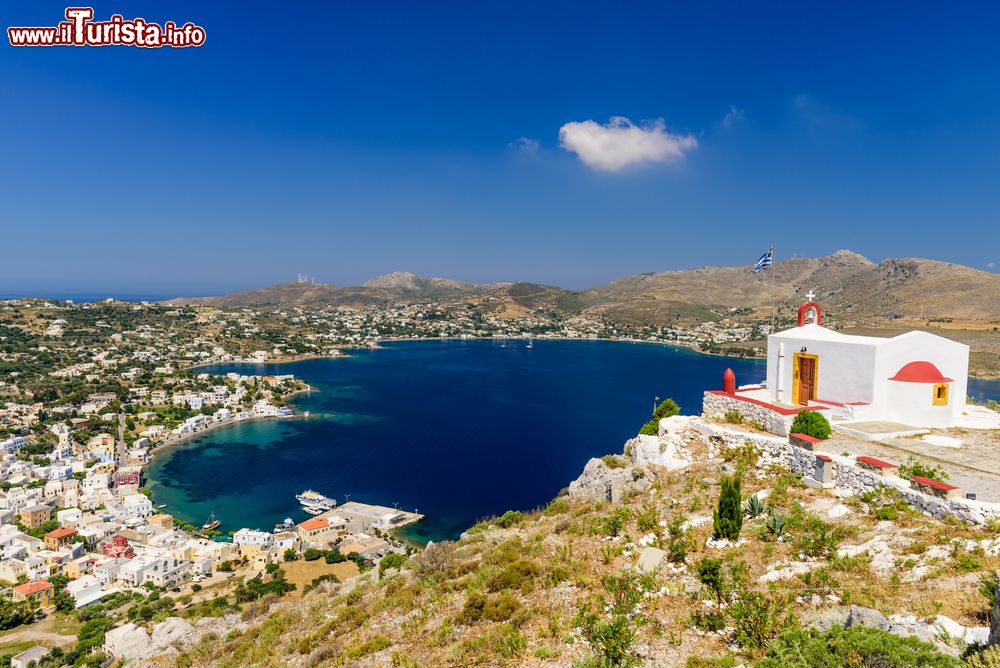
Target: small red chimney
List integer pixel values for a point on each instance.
(729, 382)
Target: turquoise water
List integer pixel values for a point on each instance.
(458, 430)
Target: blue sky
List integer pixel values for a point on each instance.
(350, 139)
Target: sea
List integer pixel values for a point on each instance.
(458, 430)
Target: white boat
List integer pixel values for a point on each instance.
(315, 510)
(312, 499)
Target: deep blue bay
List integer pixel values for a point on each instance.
(458, 430)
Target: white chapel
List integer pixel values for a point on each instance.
(917, 378)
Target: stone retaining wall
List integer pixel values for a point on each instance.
(848, 475)
(717, 405)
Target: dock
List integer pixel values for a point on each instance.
(363, 517)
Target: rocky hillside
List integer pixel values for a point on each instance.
(622, 569)
(852, 287)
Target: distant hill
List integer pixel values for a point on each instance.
(846, 283)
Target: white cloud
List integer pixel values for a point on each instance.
(524, 144)
(732, 116)
(620, 143)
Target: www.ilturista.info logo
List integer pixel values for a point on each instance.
(79, 29)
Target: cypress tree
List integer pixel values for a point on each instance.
(727, 520)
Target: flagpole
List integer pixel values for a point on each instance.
(774, 264)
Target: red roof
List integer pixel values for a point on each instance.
(315, 523)
(933, 483)
(877, 463)
(62, 532)
(920, 372)
(29, 588)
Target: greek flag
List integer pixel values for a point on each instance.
(765, 261)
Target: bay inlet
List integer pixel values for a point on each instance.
(456, 430)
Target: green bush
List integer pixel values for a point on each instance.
(757, 619)
(727, 520)
(492, 608)
(711, 574)
(509, 519)
(392, 560)
(857, 647)
(517, 575)
(312, 554)
(668, 408)
(733, 416)
(914, 467)
(811, 423)
(988, 658)
(887, 513)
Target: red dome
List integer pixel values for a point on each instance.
(920, 372)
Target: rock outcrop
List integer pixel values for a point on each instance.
(668, 449)
(600, 482)
(132, 642)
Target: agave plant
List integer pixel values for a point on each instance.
(776, 524)
(754, 507)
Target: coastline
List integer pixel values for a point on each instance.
(171, 442)
(974, 374)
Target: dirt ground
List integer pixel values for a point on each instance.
(302, 572)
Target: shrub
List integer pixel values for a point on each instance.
(677, 546)
(493, 608)
(613, 461)
(376, 644)
(510, 642)
(733, 416)
(647, 517)
(914, 467)
(509, 519)
(856, 646)
(811, 423)
(668, 408)
(988, 658)
(517, 575)
(727, 520)
(887, 513)
(710, 620)
(711, 575)
(312, 554)
(818, 539)
(757, 619)
(291, 555)
(392, 560)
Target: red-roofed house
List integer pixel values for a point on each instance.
(321, 531)
(39, 591)
(59, 538)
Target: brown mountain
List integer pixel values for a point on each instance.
(848, 285)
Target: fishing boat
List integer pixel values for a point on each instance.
(314, 510)
(284, 525)
(162, 506)
(211, 524)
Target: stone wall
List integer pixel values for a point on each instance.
(717, 405)
(848, 476)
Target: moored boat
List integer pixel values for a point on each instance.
(211, 524)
